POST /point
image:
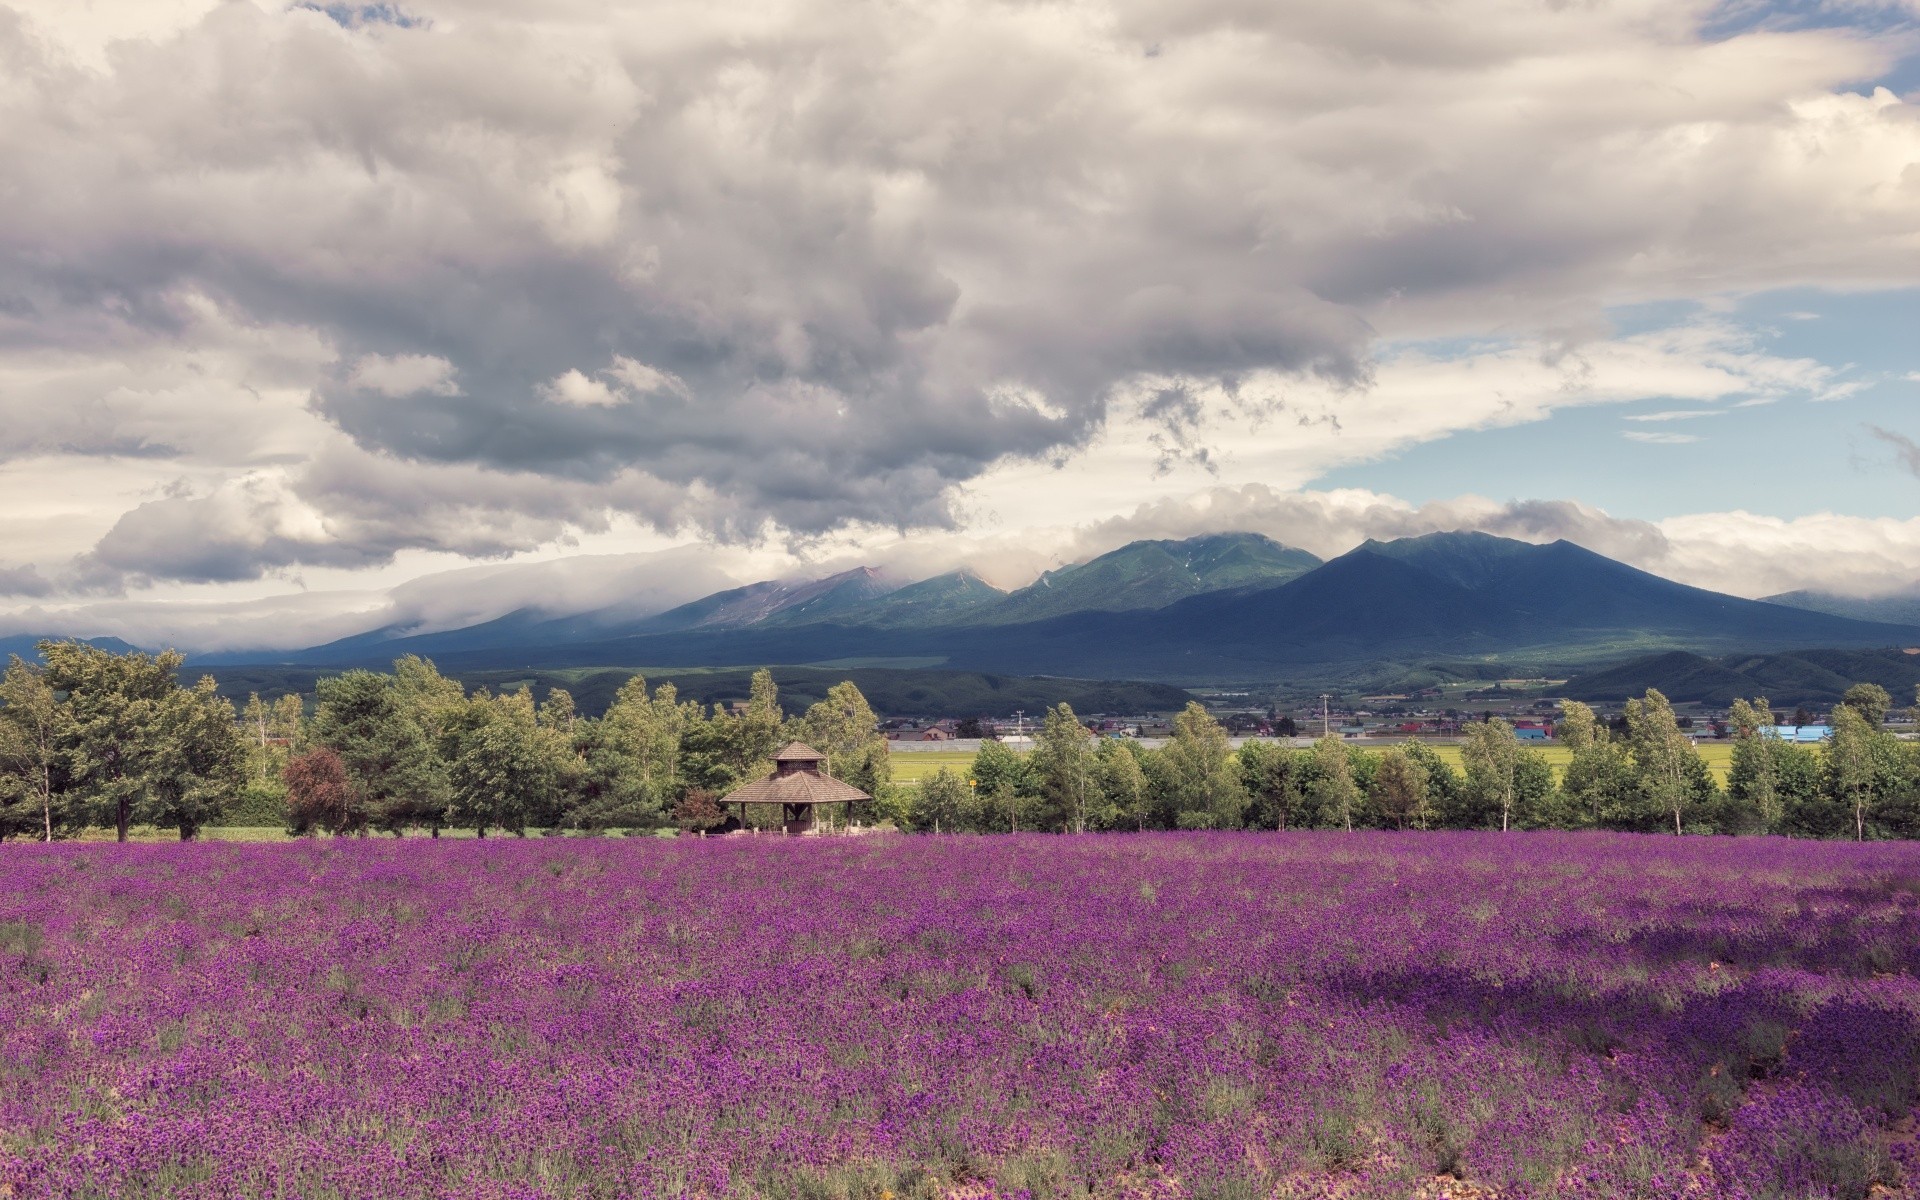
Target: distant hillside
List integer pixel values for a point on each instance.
(1787, 679)
(1898, 610)
(1150, 575)
(27, 645)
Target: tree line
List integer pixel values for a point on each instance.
(92, 739)
(1648, 776)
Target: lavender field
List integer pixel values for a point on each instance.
(1145, 1016)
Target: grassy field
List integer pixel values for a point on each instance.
(915, 765)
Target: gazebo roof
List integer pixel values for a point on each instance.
(802, 787)
(798, 752)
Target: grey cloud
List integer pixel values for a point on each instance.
(883, 247)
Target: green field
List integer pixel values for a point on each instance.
(912, 766)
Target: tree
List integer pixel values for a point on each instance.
(1600, 775)
(943, 797)
(1275, 779)
(375, 725)
(842, 727)
(503, 769)
(197, 759)
(33, 729)
(320, 795)
(1333, 790)
(556, 712)
(1207, 791)
(1753, 778)
(1492, 759)
(649, 730)
(1577, 728)
(1399, 790)
(1123, 786)
(1871, 701)
(1064, 761)
(1445, 787)
(1661, 755)
(1852, 765)
(112, 701)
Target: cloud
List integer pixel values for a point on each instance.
(403, 375)
(1675, 415)
(867, 255)
(1904, 448)
(631, 584)
(1660, 439)
(576, 389)
(314, 288)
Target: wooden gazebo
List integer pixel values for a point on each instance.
(798, 786)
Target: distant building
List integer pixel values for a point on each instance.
(1797, 733)
(1530, 733)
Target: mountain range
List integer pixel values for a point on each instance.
(1900, 608)
(1228, 607)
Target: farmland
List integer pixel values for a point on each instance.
(1222, 1015)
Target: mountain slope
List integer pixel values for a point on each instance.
(1148, 575)
(27, 645)
(1898, 609)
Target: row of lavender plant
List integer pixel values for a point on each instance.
(1156, 1015)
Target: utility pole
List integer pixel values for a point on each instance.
(1326, 723)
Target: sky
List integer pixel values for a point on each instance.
(320, 317)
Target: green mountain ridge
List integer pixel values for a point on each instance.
(1154, 574)
(1819, 676)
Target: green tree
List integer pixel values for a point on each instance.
(1399, 791)
(649, 730)
(1275, 782)
(1123, 786)
(1207, 791)
(503, 769)
(1445, 786)
(1853, 762)
(1753, 779)
(1333, 789)
(843, 727)
(112, 702)
(942, 800)
(33, 772)
(1063, 758)
(376, 729)
(197, 760)
(995, 764)
(1871, 701)
(607, 789)
(1665, 760)
(1599, 783)
(1492, 758)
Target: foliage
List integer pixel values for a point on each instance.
(320, 795)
